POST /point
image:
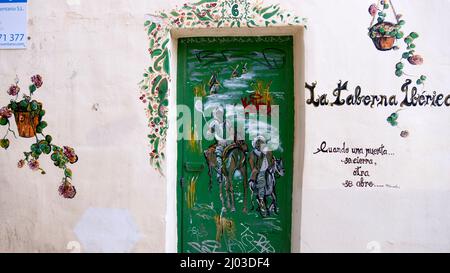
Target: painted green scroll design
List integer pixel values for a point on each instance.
(154, 88)
(384, 34)
(28, 115)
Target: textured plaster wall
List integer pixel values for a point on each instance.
(92, 55)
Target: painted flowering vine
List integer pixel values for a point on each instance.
(384, 34)
(28, 115)
(200, 14)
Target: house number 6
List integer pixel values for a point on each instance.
(235, 10)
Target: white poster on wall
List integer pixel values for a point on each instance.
(13, 24)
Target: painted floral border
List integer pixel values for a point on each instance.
(154, 88)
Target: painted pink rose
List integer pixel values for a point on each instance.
(373, 9)
(415, 60)
(67, 190)
(13, 90)
(5, 112)
(33, 164)
(37, 80)
(21, 164)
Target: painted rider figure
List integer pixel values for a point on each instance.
(260, 160)
(220, 128)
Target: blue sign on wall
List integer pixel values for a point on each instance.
(13, 24)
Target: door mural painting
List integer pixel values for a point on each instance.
(235, 148)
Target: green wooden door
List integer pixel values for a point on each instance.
(235, 164)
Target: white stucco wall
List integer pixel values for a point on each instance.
(94, 53)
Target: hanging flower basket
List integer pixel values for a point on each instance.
(383, 35)
(28, 121)
(28, 115)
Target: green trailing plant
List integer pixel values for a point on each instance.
(384, 35)
(29, 114)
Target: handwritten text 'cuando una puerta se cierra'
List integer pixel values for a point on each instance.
(411, 97)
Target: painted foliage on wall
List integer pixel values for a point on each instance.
(384, 35)
(28, 115)
(200, 14)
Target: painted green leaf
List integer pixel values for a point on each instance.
(270, 14)
(4, 143)
(201, 18)
(164, 44)
(204, 1)
(251, 23)
(163, 87)
(151, 28)
(43, 124)
(32, 88)
(209, 15)
(156, 52)
(399, 35)
(264, 10)
(3, 121)
(43, 145)
(13, 105)
(68, 173)
(156, 83)
(155, 145)
(46, 149)
(414, 35)
(34, 147)
(166, 64)
(157, 62)
(34, 105)
(23, 104)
